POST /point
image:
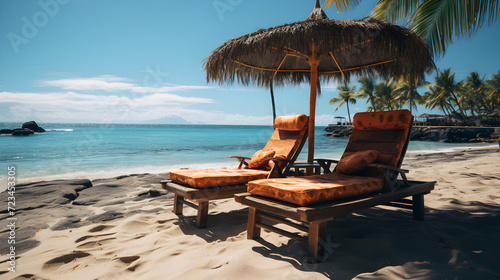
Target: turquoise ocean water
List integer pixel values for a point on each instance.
(100, 151)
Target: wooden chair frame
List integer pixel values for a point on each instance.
(199, 198)
(313, 219)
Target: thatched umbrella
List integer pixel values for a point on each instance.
(334, 49)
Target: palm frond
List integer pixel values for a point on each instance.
(439, 22)
(342, 5)
(395, 10)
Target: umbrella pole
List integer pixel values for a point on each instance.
(313, 61)
(272, 101)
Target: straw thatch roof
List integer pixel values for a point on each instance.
(360, 47)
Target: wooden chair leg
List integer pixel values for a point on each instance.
(253, 232)
(418, 207)
(178, 203)
(316, 237)
(201, 219)
(317, 170)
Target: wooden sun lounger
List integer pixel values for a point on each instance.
(289, 141)
(313, 219)
(336, 193)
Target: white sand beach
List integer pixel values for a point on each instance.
(124, 228)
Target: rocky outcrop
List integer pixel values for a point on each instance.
(22, 132)
(28, 128)
(339, 131)
(435, 134)
(6, 131)
(455, 135)
(33, 126)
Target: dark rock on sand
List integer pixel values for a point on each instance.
(50, 192)
(68, 223)
(106, 216)
(37, 205)
(32, 125)
(68, 204)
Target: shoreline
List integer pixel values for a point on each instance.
(123, 227)
(165, 169)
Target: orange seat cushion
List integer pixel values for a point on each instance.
(387, 120)
(261, 158)
(357, 161)
(317, 188)
(205, 178)
(291, 123)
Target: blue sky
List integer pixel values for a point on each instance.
(125, 61)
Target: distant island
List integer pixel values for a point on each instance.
(27, 128)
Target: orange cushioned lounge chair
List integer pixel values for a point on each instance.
(365, 176)
(203, 185)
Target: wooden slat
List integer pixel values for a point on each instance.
(205, 194)
(405, 200)
(282, 232)
(175, 188)
(301, 227)
(272, 206)
(328, 210)
(399, 205)
(190, 204)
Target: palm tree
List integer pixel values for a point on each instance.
(493, 91)
(407, 92)
(347, 94)
(467, 99)
(385, 97)
(445, 84)
(438, 22)
(474, 91)
(434, 99)
(367, 90)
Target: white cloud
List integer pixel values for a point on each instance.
(331, 86)
(325, 119)
(77, 107)
(110, 83)
(106, 83)
(71, 106)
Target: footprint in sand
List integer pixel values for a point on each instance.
(99, 228)
(94, 243)
(64, 259)
(134, 267)
(85, 237)
(130, 259)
